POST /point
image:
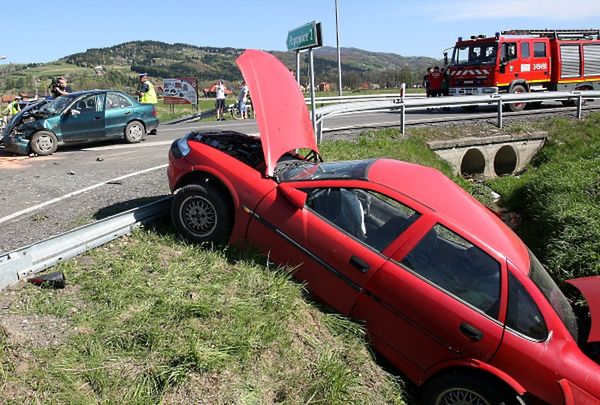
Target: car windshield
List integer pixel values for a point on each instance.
(356, 169)
(559, 302)
(57, 105)
(476, 54)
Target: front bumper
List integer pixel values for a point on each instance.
(16, 144)
(472, 91)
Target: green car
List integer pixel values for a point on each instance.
(82, 117)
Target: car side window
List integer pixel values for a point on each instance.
(523, 314)
(373, 218)
(90, 104)
(115, 100)
(456, 265)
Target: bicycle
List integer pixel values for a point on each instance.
(235, 111)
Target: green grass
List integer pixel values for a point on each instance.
(151, 320)
(559, 198)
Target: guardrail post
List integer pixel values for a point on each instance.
(579, 106)
(500, 113)
(402, 118)
(319, 130)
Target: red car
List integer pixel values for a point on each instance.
(449, 294)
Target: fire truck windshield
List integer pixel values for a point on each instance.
(476, 54)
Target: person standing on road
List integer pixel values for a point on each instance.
(59, 87)
(242, 99)
(426, 83)
(220, 103)
(435, 82)
(146, 93)
(12, 108)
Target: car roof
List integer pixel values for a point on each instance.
(447, 200)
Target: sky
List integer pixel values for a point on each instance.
(46, 30)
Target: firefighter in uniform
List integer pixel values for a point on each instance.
(147, 94)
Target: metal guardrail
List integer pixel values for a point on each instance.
(401, 105)
(24, 262)
(366, 97)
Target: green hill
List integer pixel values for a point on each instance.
(122, 62)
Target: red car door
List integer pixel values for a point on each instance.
(326, 241)
(437, 300)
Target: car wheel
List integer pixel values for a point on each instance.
(44, 143)
(134, 132)
(456, 389)
(202, 213)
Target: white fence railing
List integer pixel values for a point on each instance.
(365, 97)
(401, 105)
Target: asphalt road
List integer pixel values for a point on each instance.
(44, 196)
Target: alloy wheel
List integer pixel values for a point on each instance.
(199, 215)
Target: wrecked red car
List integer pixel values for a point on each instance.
(449, 294)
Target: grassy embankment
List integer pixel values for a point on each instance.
(148, 319)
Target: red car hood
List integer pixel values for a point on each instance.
(590, 288)
(279, 106)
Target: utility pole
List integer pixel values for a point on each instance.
(337, 38)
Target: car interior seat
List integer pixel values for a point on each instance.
(342, 207)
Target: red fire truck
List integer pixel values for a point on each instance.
(519, 61)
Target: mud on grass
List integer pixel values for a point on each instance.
(147, 319)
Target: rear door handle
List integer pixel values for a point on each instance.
(97, 118)
(359, 264)
(471, 332)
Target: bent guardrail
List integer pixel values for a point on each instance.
(401, 105)
(24, 262)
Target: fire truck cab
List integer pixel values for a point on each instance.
(526, 60)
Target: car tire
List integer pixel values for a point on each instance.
(43, 143)
(134, 132)
(455, 389)
(202, 213)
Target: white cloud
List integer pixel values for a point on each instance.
(548, 10)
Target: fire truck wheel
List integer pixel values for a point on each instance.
(517, 106)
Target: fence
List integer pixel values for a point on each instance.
(402, 105)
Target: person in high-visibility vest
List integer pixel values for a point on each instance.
(13, 107)
(147, 94)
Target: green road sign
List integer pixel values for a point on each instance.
(306, 36)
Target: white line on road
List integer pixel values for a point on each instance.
(128, 146)
(74, 193)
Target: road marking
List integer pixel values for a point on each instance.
(128, 146)
(77, 192)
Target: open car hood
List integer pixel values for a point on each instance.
(590, 288)
(279, 106)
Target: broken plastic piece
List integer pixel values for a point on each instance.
(51, 280)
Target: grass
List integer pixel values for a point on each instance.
(559, 198)
(190, 326)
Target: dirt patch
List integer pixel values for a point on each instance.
(35, 330)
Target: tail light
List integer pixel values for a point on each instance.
(154, 111)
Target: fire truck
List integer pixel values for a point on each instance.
(518, 61)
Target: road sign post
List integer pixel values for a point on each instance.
(307, 36)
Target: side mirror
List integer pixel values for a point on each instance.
(445, 58)
(74, 112)
(296, 197)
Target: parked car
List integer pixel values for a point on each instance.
(449, 294)
(85, 116)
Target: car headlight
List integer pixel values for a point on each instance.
(180, 147)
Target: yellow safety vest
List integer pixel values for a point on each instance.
(149, 97)
(14, 107)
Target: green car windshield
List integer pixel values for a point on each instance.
(559, 302)
(57, 105)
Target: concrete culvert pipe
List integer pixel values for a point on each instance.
(505, 161)
(473, 163)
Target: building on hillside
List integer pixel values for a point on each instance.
(324, 86)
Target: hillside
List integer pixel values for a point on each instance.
(122, 62)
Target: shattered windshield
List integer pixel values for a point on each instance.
(476, 54)
(57, 105)
(355, 169)
(559, 302)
